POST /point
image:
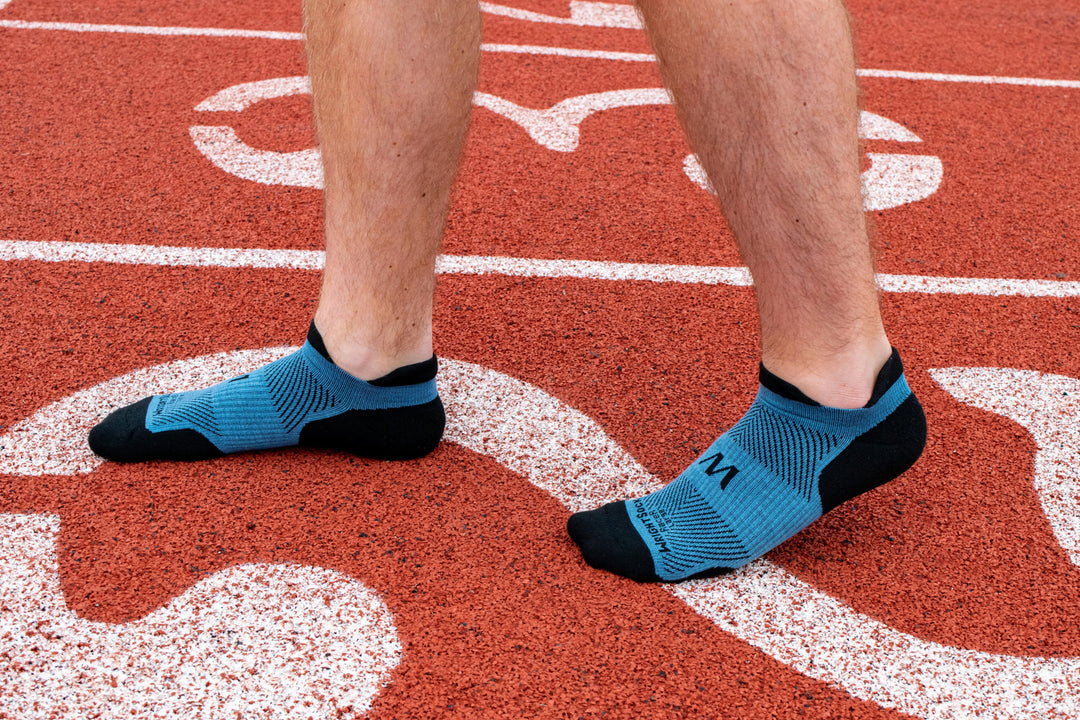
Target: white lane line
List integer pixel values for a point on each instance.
(569, 52)
(978, 79)
(11, 250)
(592, 270)
(150, 30)
(160, 255)
(521, 49)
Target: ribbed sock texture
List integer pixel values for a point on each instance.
(783, 465)
(301, 399)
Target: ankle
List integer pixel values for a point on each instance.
(366, 359)
(842, 379)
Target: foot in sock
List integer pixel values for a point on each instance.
(788, 461)
(302, 399)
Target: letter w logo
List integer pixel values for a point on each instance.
(715, 468)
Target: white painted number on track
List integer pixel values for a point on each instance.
(565, 453)
(221, 649)
(221, 145)
(1048, 406)
(890, 181)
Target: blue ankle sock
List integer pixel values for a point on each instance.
(302, 399)
(782, 466)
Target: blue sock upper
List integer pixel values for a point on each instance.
(269, 407)
(755, 487)
(302, 399)
(784, 464)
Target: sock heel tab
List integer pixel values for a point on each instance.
(414, 374)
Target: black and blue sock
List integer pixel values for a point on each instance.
(788, 461)
(302, 399)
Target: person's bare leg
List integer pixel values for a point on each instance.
(393, 85)
(766, 92)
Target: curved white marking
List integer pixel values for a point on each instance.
(696, 172)
(568, 455)
(823, 638)
(53, 440)
(554, 446)
(557, 128)
(224, 648)
(763, 605)
(875, 127)
(221, 146)
(583, 14)
(893, 180)
(240, 97)
(1048, 406)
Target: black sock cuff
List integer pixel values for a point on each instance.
(414, 374)
(890, 372)
(314, 338)
(782, 387)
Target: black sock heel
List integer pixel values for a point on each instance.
(397, 434)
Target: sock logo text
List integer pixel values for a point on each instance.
(650, 527)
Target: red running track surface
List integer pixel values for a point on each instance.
(960, 579)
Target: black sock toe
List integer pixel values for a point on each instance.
(608, 541)
(123, 437)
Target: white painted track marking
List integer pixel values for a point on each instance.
(523, 49)
(582, 14)
(223, 648)
(565, 453)
(816, 634)
(165, 31)
(161, 255)
(569, 52)
(240, 97)
(894, 179)
(974, 79)
(224, 148)
(875, 127)
(53, 440)
(1047, 406)
(62, 251)
(891, 180)
(951, 706)
(558, 127)
(221, 145)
